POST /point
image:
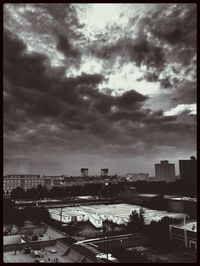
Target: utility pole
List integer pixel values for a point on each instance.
(61, 214)
(106, 232)
(185, 234)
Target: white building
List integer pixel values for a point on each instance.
(96, 221)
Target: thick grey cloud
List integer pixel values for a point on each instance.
(165, 36)
(49, 113)
(176, 26)
(66, 48)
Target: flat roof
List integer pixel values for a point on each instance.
(63, 253)
(153, 195)
(191, 226)
(185, 198)
(122, 210)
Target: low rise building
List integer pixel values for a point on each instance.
(48, 245)
(184, 235)
(96, 221)
(11, 182)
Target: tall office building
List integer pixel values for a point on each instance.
(165, 171)
(188, 171)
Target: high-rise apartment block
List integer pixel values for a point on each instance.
(165, 171)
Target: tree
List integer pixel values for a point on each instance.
(32, 193)
(141, 216)
(129, 256)
(8, 211)
(42, 192)
(37, 215)
(158, 202)
(43, 214)
(158, 232)
(136, 220)
(18, 193)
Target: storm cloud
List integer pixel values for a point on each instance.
(62, 108)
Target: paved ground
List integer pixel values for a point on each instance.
(53, 234)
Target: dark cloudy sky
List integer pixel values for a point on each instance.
(98, 85)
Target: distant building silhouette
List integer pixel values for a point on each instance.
(188, 172)
(165, 171)
(25, 181)
(133, 177)
(84, 172)
(104, 172)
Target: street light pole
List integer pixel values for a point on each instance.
(106, 227)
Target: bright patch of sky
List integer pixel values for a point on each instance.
(126, 77)
(88, 65)
(181, 108)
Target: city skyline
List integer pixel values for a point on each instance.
(99, 85)
(27, 168)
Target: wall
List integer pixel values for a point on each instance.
(179, 239)
(12, 239)
(36, 245)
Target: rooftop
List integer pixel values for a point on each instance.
(153, 195)
(60, 252)
(185, 198)
(191, 226)
(51, 246)
(117, 212)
